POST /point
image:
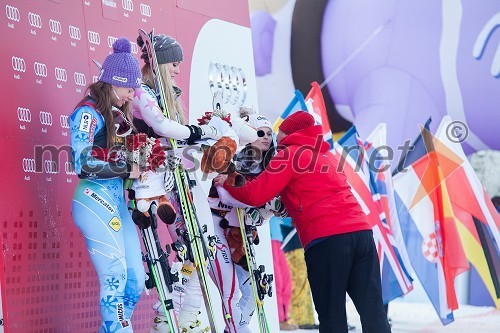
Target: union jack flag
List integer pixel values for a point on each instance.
(372, 186)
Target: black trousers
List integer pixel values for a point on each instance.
(346, 263)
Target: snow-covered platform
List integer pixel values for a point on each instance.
(419, 317)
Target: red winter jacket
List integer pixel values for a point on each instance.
(315, 193)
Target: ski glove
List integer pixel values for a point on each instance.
(254, 218)
(202, 132)
(276, 207)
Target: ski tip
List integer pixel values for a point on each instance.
(97, 64)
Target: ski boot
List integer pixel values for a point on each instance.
(189, 323)
(264, 282)
(159, 324)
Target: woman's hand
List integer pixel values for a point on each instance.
(135, 171)
(220, 180)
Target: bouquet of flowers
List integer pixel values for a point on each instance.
(205, 118)
(145, 151)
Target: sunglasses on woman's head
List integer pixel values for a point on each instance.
(262, 133)
(122, 125)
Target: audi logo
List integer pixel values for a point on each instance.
(228, 81)
(63, 120)
(68, 168)
(45, 118)
(94, 37)
(74, 32)
(35, 20)
(80, 79)
(55, 26)
(24, 114)
(128, 5)
(111, 40)
(50, 166)
(12, 13)
(40, 69)
(61, 74)
(29, 165)
(145, 10)
(135, 48)
(18, 64)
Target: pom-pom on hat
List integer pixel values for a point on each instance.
(167, 49)
(121, 68)
(296, 122)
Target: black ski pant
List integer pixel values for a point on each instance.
(346, 263)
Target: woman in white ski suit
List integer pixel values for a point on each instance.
(234, 278)
(149, 119)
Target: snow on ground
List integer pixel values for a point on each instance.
(421, 318)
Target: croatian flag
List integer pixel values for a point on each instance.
(428, 223)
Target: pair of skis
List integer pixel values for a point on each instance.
(200, 251)
(260, 281)
(161, 272)
(193, 237)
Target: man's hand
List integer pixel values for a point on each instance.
(220, 180)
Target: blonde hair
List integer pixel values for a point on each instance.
(174, 105)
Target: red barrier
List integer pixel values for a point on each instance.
(47, 282)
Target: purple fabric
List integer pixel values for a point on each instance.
(263, 26)
(121, 68)
(401, 76)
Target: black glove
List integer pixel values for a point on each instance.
(202, 132)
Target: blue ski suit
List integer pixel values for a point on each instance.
(100, 212)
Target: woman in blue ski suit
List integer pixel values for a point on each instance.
(99, 209)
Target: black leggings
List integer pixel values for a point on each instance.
(346, 263)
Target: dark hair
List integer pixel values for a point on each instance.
(268, 154)
(246, 159)
(101, 93)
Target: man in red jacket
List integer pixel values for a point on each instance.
(339, 249)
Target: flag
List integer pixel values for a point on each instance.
(428, 224)
(370, 188)
(378, 140)
(297, 103)
(478, 220)
(316, 107)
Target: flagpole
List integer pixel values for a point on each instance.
(355, 53)
(288, 238)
